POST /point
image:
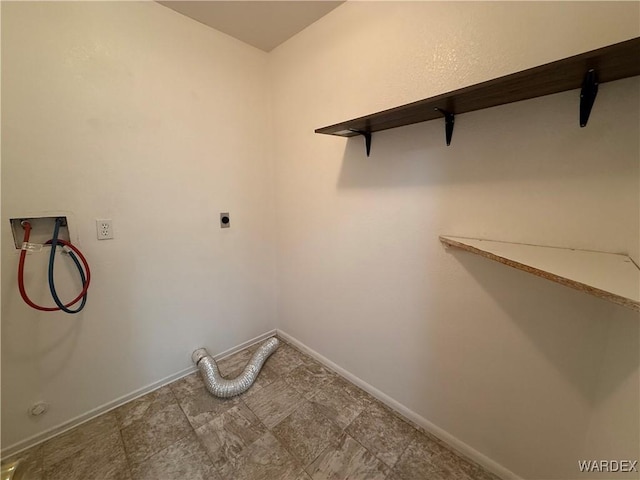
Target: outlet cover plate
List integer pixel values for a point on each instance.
(104, 228)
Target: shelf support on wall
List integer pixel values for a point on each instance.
(449, 119)
(588, 95)
(367, 138)
(606, 64)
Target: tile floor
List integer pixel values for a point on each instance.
(299, 421)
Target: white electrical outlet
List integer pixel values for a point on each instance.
(104, 228)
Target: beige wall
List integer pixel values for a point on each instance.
(132, 112)
(515, 368)
(180, 122)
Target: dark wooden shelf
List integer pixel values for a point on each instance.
(613, 62)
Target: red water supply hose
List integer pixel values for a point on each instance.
(23, 255)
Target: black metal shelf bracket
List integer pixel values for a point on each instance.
(588, 95)
(449, 120)
(367, 138)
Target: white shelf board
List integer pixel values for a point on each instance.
(611, 276)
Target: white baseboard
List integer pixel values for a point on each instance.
(244, 345)
(91, 414)
(410, 415)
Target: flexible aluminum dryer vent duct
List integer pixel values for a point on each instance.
(222, 387)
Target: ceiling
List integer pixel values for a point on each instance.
(263, 24)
